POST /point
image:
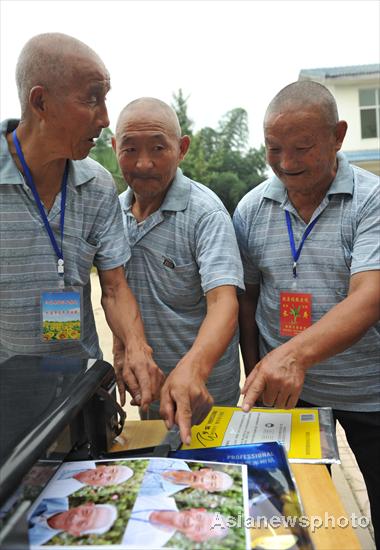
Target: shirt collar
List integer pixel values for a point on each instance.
(80, 172)
(342, 183)
(42, 521)
(176, 198)
(9, 171)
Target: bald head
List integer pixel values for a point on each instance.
(153, 109)
(50, 60)
(303, 95)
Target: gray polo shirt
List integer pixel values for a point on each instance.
(179, 253)
(93, 234)
(344, 241)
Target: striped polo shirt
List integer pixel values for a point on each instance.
(344, 241)
(93, 234)
(179, 253)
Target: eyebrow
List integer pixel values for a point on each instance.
(158, 135)
(99, 87)
(128, 139)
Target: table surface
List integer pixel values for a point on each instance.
(318, 493)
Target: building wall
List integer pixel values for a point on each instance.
(347, 98)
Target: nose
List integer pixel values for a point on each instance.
(288, 162)
(143, 161)
(104, 121)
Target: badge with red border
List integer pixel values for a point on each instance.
(295, 312)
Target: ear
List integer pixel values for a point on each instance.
(37, 100)
(113, 141)
(184, 147)
(340, 132)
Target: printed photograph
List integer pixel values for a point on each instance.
(142, 503)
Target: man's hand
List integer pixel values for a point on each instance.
(118, 363)
(136, 369)
(185, 400)
(136, 372)
(276, 380)
(142, 376)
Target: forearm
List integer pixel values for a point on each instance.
(122, 315)
(249, 335)
(117, 345)
(342, 326)
(215, 333)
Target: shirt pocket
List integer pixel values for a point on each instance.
(171, 280)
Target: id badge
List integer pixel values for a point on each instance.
(62, 314)
(295, 312)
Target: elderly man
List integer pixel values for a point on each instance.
(309, 237)
(184, 269)
(53, 516)
(167, 477)
(73, 476)
(154, 521)
(60, 216)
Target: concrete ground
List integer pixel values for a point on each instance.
(346, 476)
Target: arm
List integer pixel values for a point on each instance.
(185, 399)
(278, 378)
(137, 370)
(249, 334)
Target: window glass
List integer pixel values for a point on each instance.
(367, 97)
(368, 123)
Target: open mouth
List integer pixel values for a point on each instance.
(292, 174)
(93, 140)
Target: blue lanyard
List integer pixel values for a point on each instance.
(31, 184)
(297, 252)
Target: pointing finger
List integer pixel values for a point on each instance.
(183, 418)
(253, 392)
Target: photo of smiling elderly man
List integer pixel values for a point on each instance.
(53, 516)
(169, 476)
(73, 476)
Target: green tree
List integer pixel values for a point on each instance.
(221, 158)
(233, 130)
(180, 106)
(105, 155)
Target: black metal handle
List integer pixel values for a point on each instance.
(117, 425)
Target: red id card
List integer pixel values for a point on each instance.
(295, 312)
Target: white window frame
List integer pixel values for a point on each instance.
(376, 106)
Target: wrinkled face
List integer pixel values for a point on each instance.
(301, 150)
(206, 479)
(101, 476)
(195, 524)
(209, 480)
(80, 519)
(76, 117)
(149, 152)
